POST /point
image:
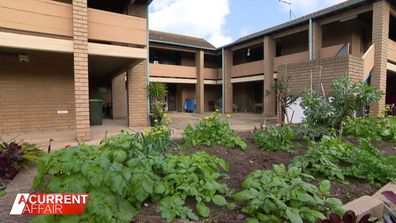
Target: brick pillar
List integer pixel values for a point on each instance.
(356, 39)
(228, 91)
(200, 87)
(381, 12)
(269, 99)
(119, 96)
(316, 40)
(81, 89)
(137, 95)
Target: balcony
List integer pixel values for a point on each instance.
(392, 50)
(248, 69)
(172, 71)
(291, 58)
(331, 51)
(55, 18)
(212, 73)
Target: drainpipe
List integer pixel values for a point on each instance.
(310, 40)
(222, 81)
(148, 58)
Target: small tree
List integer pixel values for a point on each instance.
(326, 115)
(157, 91)
(284, 96)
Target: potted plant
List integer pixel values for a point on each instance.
(157, 91)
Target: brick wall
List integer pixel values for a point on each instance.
(31, 95)
(317, 39)
(269, 99)
(200, 87)
(138, 10)
(80, 44)
(228, 92)
(381, 11)
(119, 97)
(332, 68)
(137, 95)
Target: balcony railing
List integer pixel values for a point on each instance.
(248, 69)
(212, 74)
(331, 51)
(55, 18)
(165, 70)
(369, 60)
(291, 58)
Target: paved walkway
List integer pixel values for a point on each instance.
(23, 181)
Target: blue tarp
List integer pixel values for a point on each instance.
(189, 105)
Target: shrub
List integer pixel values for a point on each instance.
(14, 157)
(280, 195)
(275, 139)
(324, 116)
(335, 159)
(213, 130)
(373, 129)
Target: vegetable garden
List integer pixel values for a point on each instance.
(293, 173)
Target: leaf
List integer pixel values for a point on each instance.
(68, 218)
(202, 210)
(293, 215)
(219, 200)
(324, 187)
(159, 188)
(252, 220)
(334, 202)
(390, 196)
(243, 196)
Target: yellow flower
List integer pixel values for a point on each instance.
(165, 115)
(155, 120)
(217, 110)
(228, 116)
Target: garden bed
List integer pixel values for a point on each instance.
(242, 163)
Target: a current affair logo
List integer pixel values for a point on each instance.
(49, 204)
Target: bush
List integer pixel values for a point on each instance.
(124, 172)
(275, 139)
(280, 195)
(325, 116)
(335, 159)
(373, 129)
(14, 157)
(213, 130)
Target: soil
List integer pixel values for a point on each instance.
(242, 163)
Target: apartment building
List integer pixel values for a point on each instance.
(355, 38)
(57, 54)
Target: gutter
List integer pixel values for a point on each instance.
(185, 45)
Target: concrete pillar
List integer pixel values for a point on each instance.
(228, 91)
(316, 40)
(381, 16)
(119, 96)
(81, 89)
(269, 99)
(200, 87)
(137, 95)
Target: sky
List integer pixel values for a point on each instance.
(224, 21)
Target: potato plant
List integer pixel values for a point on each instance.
(275, 139)
(281, 194)
(213, 130)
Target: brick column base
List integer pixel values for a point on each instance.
(137, 95)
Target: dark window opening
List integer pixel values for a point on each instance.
(248, 54)
(295, 43)
(392, 28)
(116, 6)
(160, 56)
(213, 61)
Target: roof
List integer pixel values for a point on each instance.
(180, 40)
(302, 20)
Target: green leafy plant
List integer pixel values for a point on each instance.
(335, 159)
(280, 195)
(325, 116)
(196, 177)
(157, 91)
(275, 139)
(373, 129)
(213, 130)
